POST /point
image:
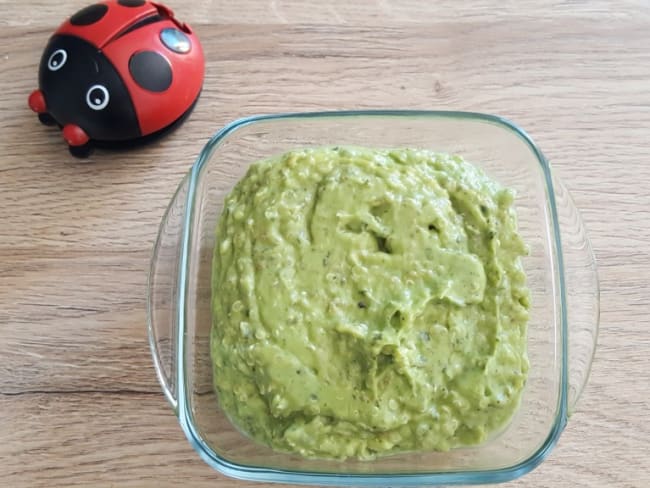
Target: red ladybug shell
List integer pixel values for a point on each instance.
(155, 110)
(102, 22)
(163, 77)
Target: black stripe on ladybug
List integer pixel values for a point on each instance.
(151, 70)
(131, 3)
(141, 23)
(89, 15)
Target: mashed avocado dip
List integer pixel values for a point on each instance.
(368, 302)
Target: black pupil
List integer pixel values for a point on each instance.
(57, 59)
(97, 96)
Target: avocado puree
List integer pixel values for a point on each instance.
(368, 302)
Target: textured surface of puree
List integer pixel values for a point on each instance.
(367, 302)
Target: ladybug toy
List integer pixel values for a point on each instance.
(118, 73)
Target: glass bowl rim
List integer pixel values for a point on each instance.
(433, 478)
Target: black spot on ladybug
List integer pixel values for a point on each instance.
(151, 71)
(131, 3)
(89, 15)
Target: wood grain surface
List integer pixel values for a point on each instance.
(79, 400)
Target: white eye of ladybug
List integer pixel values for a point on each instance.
(57, 60)
(97, 97)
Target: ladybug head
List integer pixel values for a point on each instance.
(82, 88)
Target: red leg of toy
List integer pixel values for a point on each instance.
(37, 102)
(79, 142)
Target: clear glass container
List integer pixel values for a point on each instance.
(561, 274)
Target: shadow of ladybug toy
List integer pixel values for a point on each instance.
(118, 73)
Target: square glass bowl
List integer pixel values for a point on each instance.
(561, 275)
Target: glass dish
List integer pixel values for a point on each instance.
(561, 274)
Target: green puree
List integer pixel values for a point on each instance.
(367, 302)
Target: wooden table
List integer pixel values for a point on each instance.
(79, 401)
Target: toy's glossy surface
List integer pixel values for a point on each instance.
(118, 72)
